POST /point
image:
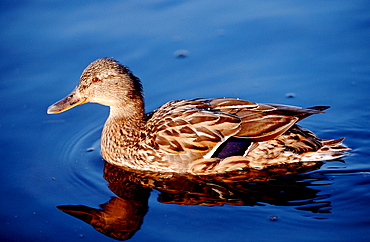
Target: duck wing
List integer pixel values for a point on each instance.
(191, 126)
(202, 125)
(261, 122)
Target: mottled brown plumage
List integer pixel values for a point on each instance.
(199, 136)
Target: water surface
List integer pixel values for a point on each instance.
(260, 51)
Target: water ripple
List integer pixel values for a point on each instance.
(85, 164)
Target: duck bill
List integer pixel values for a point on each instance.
(72, 100)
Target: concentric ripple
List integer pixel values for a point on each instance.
(85, 164)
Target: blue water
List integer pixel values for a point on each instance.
(315, 52)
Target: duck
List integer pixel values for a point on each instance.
(195, 136)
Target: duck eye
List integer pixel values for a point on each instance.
(95, 79)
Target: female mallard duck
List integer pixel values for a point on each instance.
(198, 136)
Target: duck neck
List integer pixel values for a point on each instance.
(127, 111)
(122, 131)
(127, 116)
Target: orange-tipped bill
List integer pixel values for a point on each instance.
(72, 100)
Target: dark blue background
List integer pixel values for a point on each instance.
(255, 50)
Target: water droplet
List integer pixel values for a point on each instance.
(181, 53)
(273, 218)
(290, 95)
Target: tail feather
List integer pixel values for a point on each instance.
(319, 108)
(331, 150)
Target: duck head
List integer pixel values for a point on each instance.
(107, 82)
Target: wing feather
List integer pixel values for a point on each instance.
(190, 126)
(262, 122)
(200, 125)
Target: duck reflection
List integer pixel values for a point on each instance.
(123, 215)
